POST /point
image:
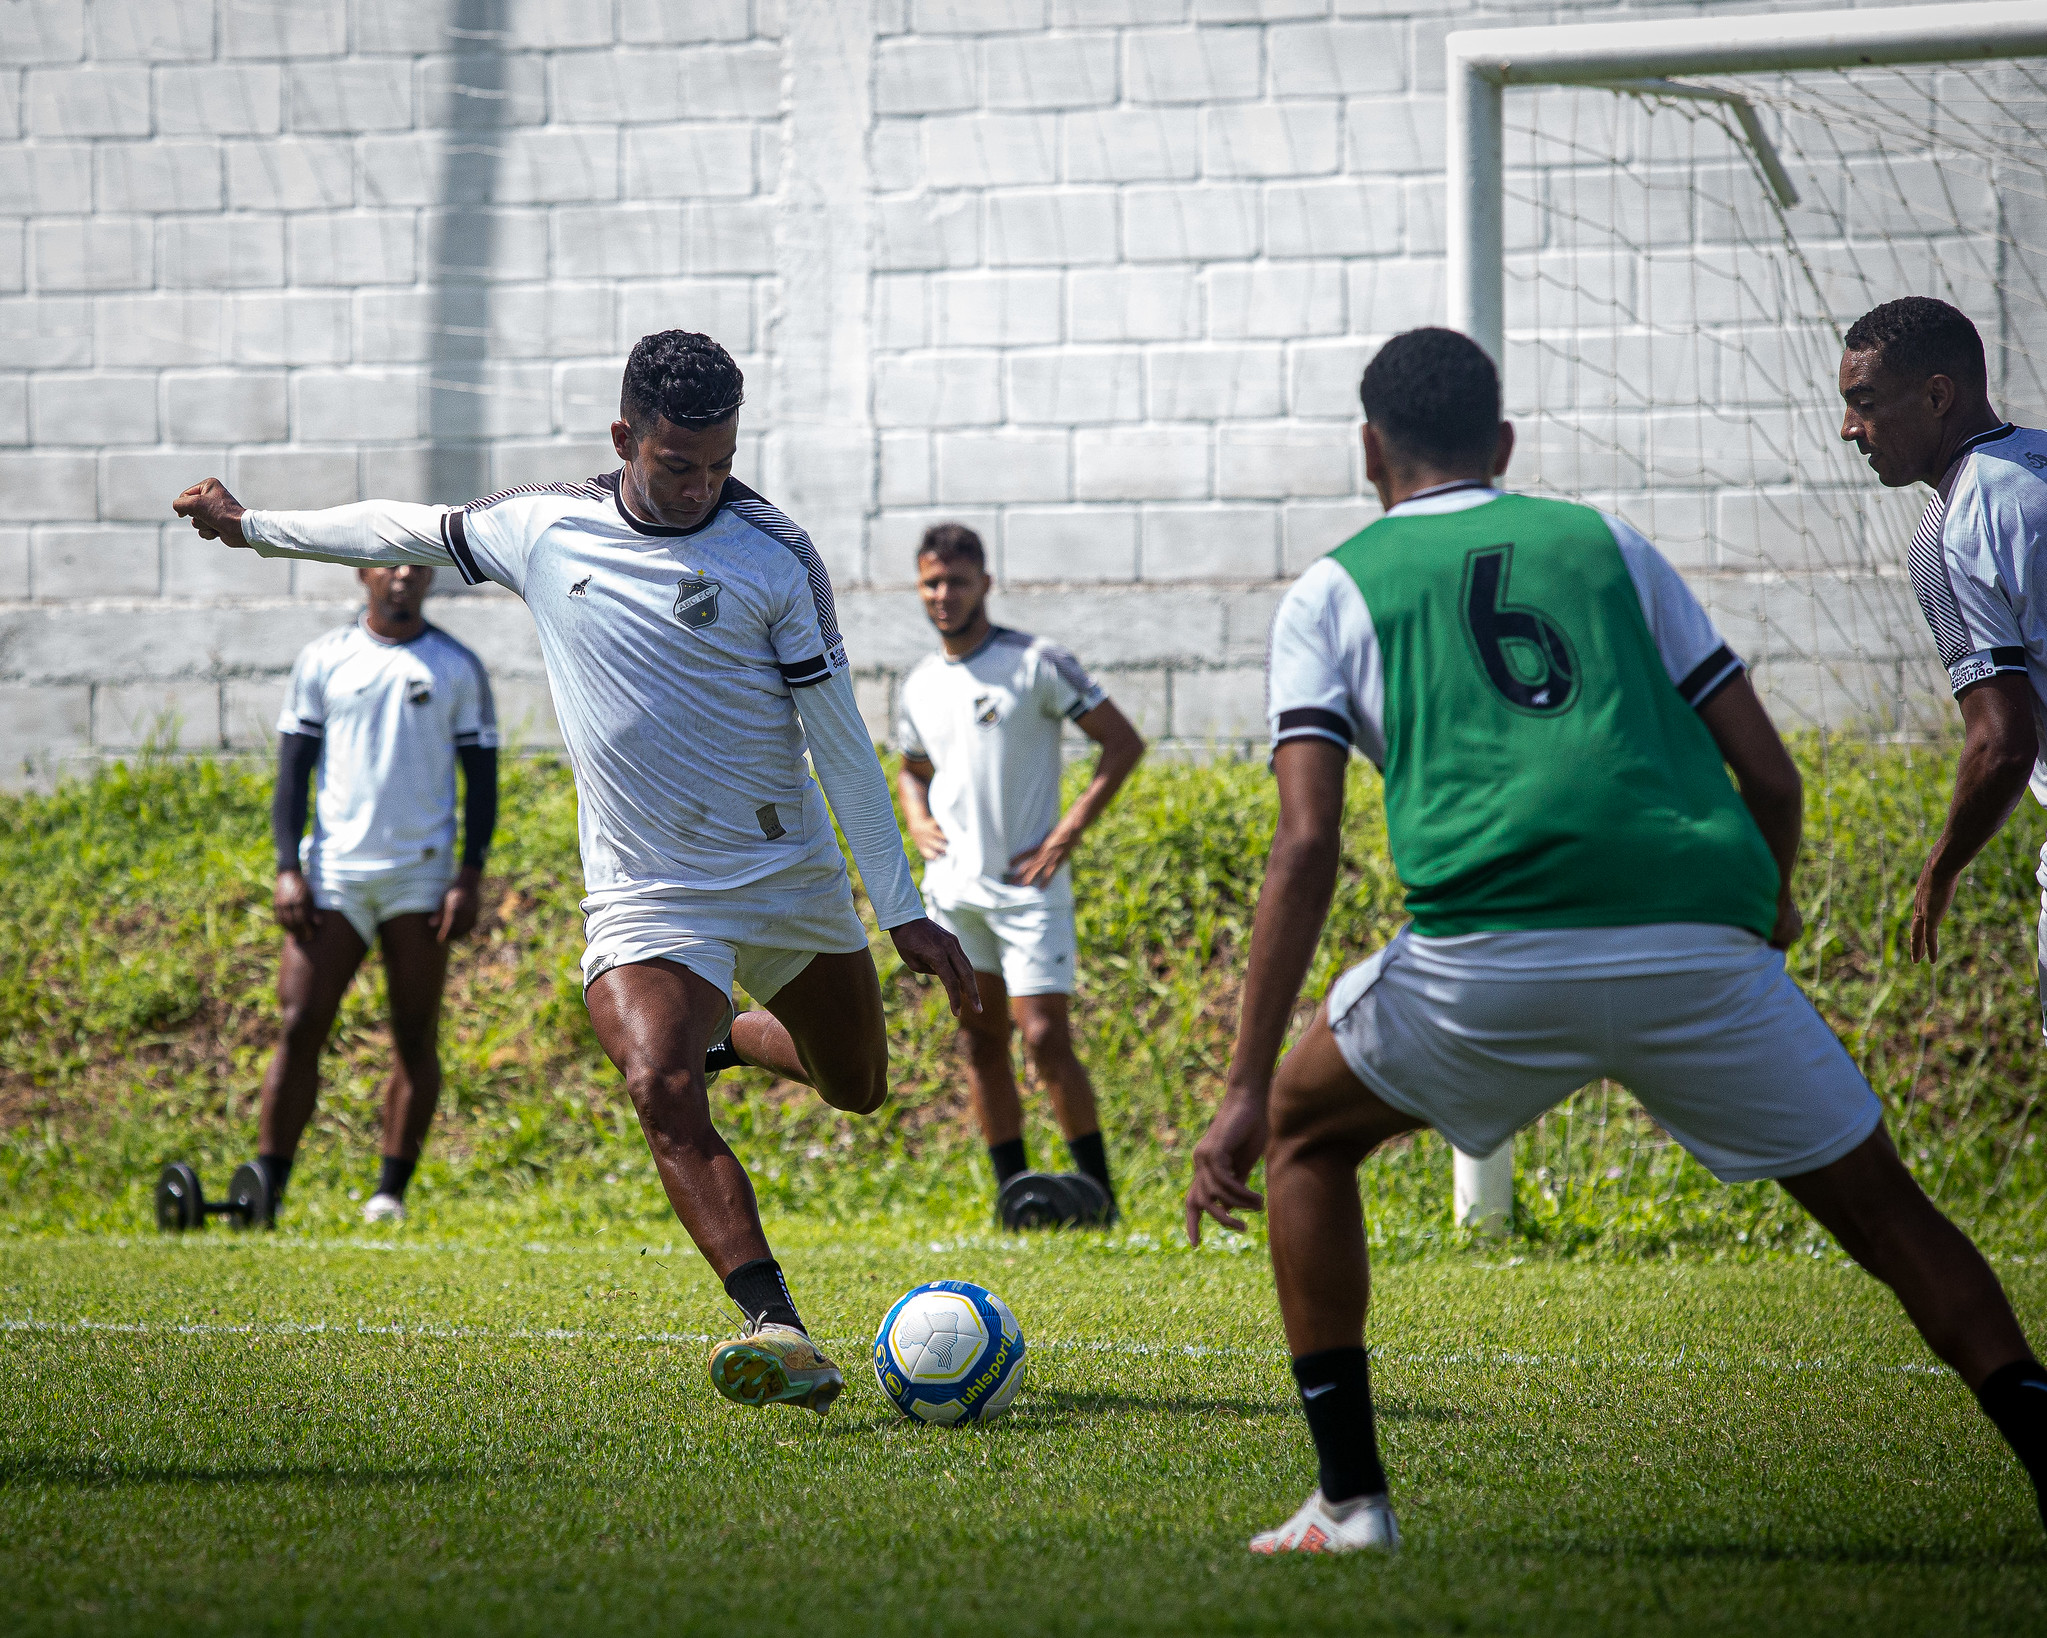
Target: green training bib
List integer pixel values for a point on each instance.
(1541, 768)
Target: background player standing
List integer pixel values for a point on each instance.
(383, 709)
(693, 651)
(979, 735)
(1916, 391)
(1556, 718)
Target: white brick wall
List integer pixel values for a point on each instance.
(1094, 276)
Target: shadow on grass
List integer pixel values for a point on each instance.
(1052, 1407)
(1896, 1554)
(102, 1475)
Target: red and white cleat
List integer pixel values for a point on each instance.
(1364, 1524)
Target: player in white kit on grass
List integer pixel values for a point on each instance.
(694, 655)
(979, 733)
(382, 710)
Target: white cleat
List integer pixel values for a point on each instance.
(384, 1208)
(1364, 1524)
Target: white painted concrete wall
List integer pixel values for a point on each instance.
(1096, 276)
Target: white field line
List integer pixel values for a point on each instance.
(1684, 1361)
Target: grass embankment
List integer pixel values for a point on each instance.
(232, 1434)
(137, 957)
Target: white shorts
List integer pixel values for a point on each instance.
(1731, 1060)
(1032, 945)
(759, 936)
(367, 902)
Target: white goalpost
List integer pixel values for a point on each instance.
(1659, 230)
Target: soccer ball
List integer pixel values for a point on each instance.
(950, 1352)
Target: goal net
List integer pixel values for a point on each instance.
(1674, 310)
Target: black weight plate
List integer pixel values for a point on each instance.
(248, 1192)
(1089, 1201)
(1033, 1200)
(179, 1203)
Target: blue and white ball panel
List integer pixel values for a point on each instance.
(948, 1352)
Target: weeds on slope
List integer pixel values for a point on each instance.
(137, 956)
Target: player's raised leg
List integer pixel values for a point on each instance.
(825, 1029)
(655, 1020)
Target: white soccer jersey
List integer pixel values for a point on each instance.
(1324, 677)
(390, 717)
(672, 654)
(989, 722)
(1974, 558)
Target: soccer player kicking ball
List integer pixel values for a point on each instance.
(383, 708)
(694, 657)
(1918, 408)
(1556, 719)
(979, 733)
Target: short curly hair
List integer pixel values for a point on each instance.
(1919, 336)
(1434, 395)
(953, 543)
(680, 377)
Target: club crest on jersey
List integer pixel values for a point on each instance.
(419, 691)
(987, 710)
(696, 602)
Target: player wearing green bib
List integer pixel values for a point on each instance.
(1591, 896)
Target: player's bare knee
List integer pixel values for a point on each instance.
(304, 1030)
(672, 1094)
(1046, 1038)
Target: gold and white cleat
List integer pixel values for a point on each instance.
(775, 1365)
(1363, 1524)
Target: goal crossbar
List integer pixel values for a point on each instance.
(1641, 58)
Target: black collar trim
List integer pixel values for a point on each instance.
(1990, 437)
(995, 634)
(611, 481)
(1442, 489)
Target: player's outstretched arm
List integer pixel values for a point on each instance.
(361, 533)
(1122, 749)
(1999, 747)
(1770, 786)
(1300, 877)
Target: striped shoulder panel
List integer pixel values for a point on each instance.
(455, 532)
(590, 489)
(1936, 593)
(743, 503)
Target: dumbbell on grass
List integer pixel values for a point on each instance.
(181, 1204)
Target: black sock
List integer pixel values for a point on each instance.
(722, 1056)
(278, 1169)
(1336, 1392)
(1007, 1159)
(2014, 1397)
(395, 1176)
(1091, 1159)
(762, 1293)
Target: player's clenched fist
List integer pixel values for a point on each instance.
(215, 513)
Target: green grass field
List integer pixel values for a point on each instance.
(396, 1437)
(1663, 1405)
